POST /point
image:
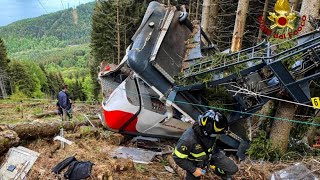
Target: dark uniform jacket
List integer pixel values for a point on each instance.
(63, 100)
(189, 154)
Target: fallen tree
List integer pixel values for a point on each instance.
(50, 113)
(10, 135)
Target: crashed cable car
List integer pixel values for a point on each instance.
(146, 93)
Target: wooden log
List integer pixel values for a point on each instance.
(181, 173)
(41, 115)
(117, 139)
(8, 138)
(46, 129)
(10, 135)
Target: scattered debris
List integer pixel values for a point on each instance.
(89, 121)
(136, 154)
(62, 139)
(297, 171)
(18, 162)
(169, 169)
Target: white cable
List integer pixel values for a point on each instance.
(269, 97)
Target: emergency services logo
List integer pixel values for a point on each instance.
(282, 18)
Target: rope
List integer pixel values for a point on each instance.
(246, 91)
(252, 114)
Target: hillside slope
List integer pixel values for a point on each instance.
(54, 30)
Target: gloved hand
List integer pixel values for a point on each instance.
(198, 172)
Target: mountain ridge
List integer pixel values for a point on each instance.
(54, 30)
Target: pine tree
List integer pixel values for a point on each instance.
(21, 79)
(3, 56)
(104, 41)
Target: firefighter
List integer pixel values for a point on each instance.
(196, 149)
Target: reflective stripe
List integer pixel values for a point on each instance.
(198, 155)
(220, 171)
(179, 154)
(199, 160)
(216, 128)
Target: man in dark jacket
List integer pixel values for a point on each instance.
(63, 102)
(196, 148)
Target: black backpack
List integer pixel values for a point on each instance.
(77, 169)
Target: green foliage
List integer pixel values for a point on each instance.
(140, 167)
(261, 149)
(55, 82)
(18, 95)
(50, 47)
(59, 29)
(71, 56)
(87, 87)
(39, 77)
(3, 56)
(104, 31)
(21, 78)
(104, 27)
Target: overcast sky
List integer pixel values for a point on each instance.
(14, 10)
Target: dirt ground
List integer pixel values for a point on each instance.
(95, 149)
(95, 146)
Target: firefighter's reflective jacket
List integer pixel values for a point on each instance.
(189, 154)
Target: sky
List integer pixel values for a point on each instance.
(14, 10)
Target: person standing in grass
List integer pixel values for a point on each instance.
(64, 104)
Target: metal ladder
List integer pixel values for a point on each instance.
(249, 54)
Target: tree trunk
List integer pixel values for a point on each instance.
(8, 138)
(10, 135)
(264, 15)
(239, 26)
(280, 131)
(295, 4)
(118, 33)
(190, 8)
(311, 133)
(41, 115)
(197, 9)
(309, 8)
(210, 10)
